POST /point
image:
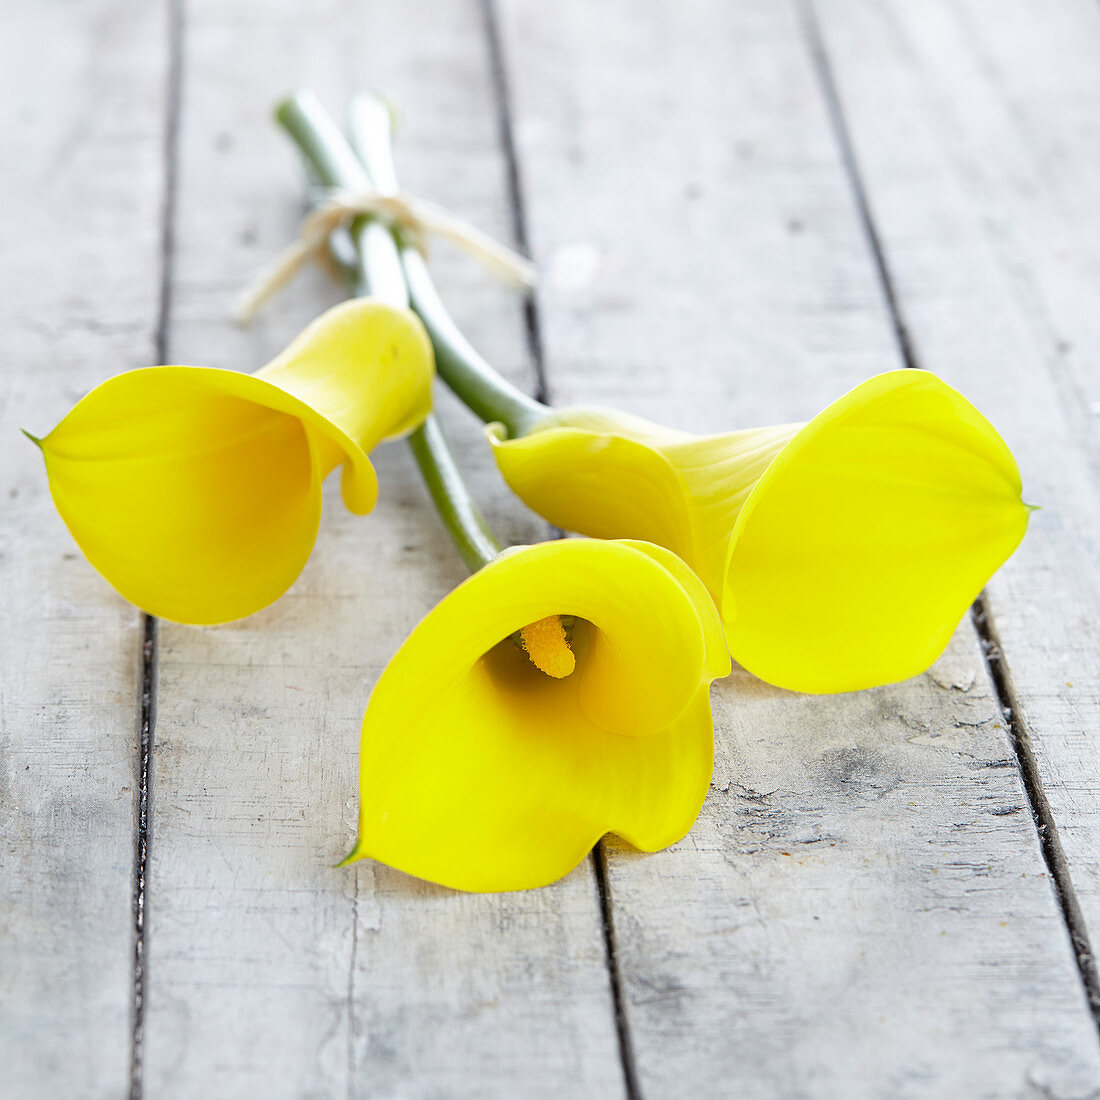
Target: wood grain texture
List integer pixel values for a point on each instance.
(273, 974)
(987, 215)
(862, 909)
(80, 192)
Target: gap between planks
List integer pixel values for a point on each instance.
(148, 683)
(498, 73)
(993, 657)
(622, 1027)
(502, 94)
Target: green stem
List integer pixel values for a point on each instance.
(457, 508)
(480, 388)
(379, 273)
(335, 165)
(491, 397)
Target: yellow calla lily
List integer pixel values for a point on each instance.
(482, 772)
(196, 492)
(841, 553)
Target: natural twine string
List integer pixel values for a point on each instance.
(418, 218)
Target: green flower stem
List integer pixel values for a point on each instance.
(489, 396)
(481, 389)
(458, 510)
(334, 164)
(379, 273)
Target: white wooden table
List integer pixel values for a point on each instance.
(740, 209)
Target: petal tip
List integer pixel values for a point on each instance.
(34, 439)
(359, 485)
(353, 856)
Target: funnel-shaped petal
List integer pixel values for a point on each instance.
(197, 492)
(479, 771)
(841, 553)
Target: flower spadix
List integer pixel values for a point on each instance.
(197, 491)
(841, 553)
(480, 770)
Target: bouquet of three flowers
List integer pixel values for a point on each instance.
(562, 692)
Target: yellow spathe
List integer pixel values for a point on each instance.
(480, 772)
(196, 492)
(841, 553)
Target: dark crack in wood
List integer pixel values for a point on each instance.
(996, 664)
(148, 698)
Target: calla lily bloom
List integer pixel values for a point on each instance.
(561, 693)
(841, 553)
(197, 492)
(492, 764)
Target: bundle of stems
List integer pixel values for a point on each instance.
(379, 259)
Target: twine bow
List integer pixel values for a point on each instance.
(418, 218)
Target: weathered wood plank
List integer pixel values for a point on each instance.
(81, 191)
(862, 909)
(997, 273)
(272, 973)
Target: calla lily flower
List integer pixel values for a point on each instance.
(196, 492)
(488, 764)
(841, 553)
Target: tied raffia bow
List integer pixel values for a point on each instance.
(418, 218)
